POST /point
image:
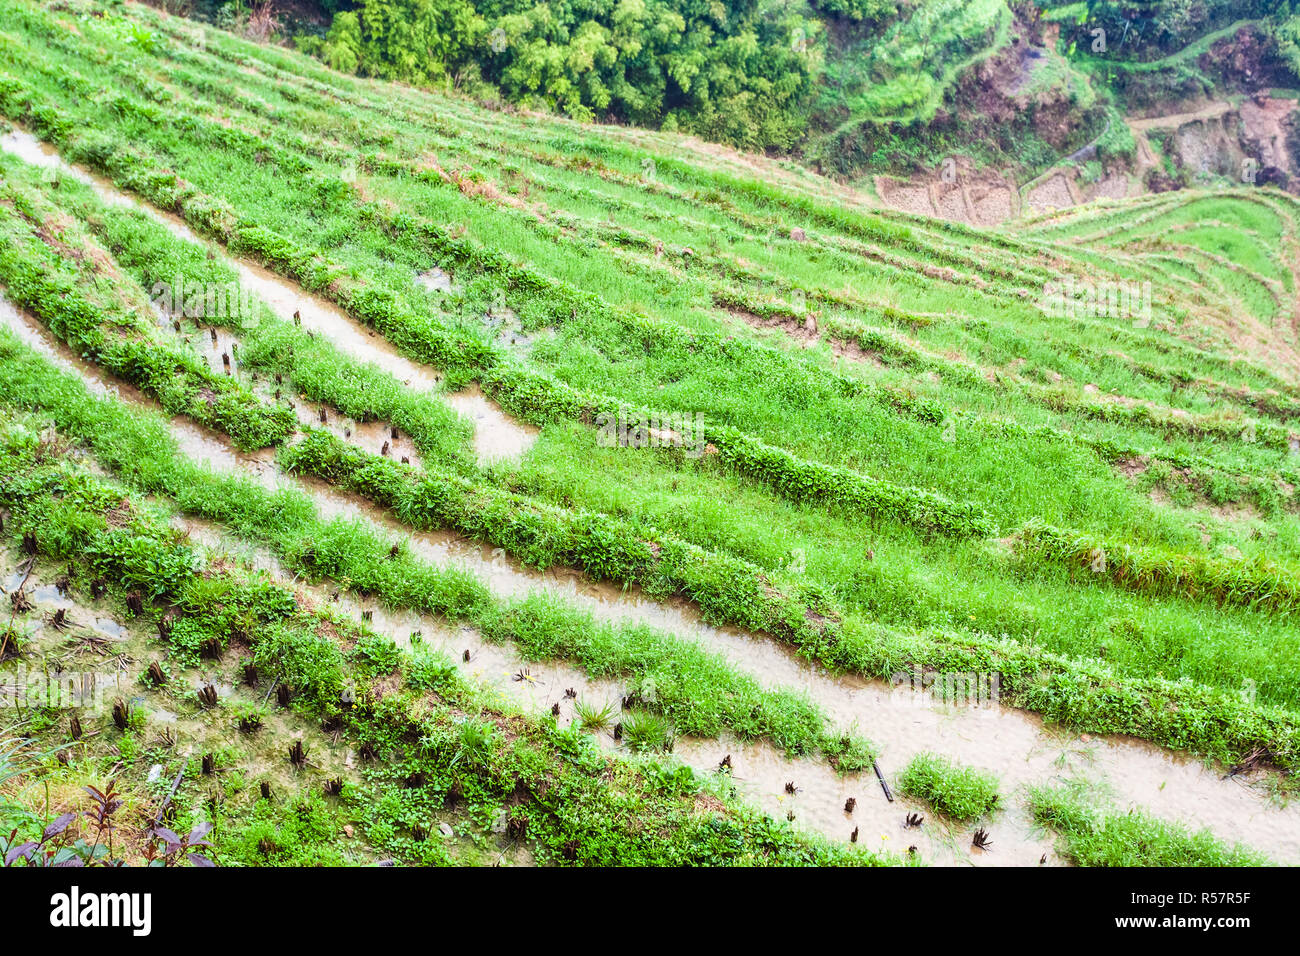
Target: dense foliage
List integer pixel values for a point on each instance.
(726, 71)
(904, 463)
(846, 84)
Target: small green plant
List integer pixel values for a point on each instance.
(376, 655)
(645, 731)
(592, 716)
(848, 753)
(249, 717)
(958, 792)
(143, 39)
(476, 739)
(426, 670)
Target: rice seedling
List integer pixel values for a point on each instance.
(646, 731)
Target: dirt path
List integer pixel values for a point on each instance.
(1175, 120)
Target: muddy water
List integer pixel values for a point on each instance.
(378, 438)
(84, 646)
(194, 442)
(496, 435)
(220, 351)
(32, 151)
(435, 280)
(1010, 743)
(1013, 744)
(534, 686)
(349, 337)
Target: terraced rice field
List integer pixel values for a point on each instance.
(577, 494)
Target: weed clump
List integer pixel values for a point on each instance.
(960, 793)
(646, 731)
(1094, 835)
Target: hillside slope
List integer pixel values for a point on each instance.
(816, 444)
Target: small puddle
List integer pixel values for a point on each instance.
(78, 652)
(435, 280)
(110, 627)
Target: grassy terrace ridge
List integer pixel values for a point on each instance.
(699, 692)
(860, 489)
(554, 381)
(1088, 696)
(725, 589)
(303, 362)
(931, 412)
(542, 399)
(447, 749)
(113, 334)
(590, 542)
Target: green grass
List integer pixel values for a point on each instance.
(958, 792)
(594, 716)
(1093, 836)
(698, 690)
(904, 464)
(570, 801)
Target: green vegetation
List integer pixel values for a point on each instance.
(958, 792)
(736, 73)
(1094, 836)
(455, 756)
(864, 435)
(700, 693)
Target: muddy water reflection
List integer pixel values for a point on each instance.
(497, 436)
